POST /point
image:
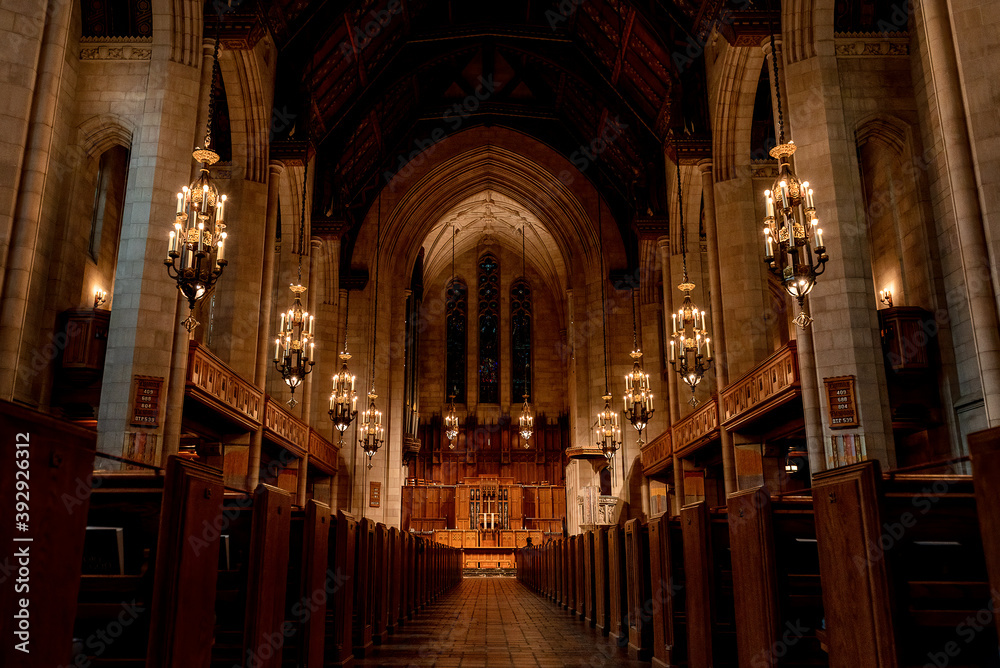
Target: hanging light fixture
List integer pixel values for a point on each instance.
(195, 248)
(372, 431)
(609, 433)
(294, 347)
(527, 419)
(451, 418)
(638, 396)
(790, 221)
(343, 397)
(690, 347)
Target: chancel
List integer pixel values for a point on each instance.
(500, 333)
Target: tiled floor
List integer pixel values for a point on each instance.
(489, 622)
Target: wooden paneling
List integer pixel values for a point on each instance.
(323, 454)
(665, 611)
(214, 384)
(751, 540)
(656, 455)
(698, 580)
(59, 467)
(769, 384)
(186, 566)
(315, 557)
(697, 429)
(588, 578)
(339, 635)
(856, 585)
(272, 512)
(285, 429)
(640, 631)
(618, 585)
(985, 449)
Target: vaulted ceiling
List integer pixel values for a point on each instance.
(385, 78)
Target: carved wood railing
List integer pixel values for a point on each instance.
(322, 453)
(656, 454)
(285, 429)
(213, 383)
(698, 428)
(771, 383)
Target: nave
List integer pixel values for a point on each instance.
(501, 623)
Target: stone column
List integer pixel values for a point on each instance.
(26, 273)
(718, 326)
(663, 244)
(964, 196)
(268, 264)
(812, 414)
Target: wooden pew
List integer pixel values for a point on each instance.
(339, 649)
(409, 574)
(618, 586)
(779, 612)
(57, 470)
(364, 585)
(602, 591)
(108, 594)
(560, 571)
(588, 580)
(187, 558)
(394, 620)
(940, 579)
(709, 587)
(383, 578)
(572, 585)
(581, 578)
(308, 585)
(668, 618)
(985, 449)
(640, 629)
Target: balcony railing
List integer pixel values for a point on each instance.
(697, 429)
(771, 383)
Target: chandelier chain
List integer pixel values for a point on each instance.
(347, 316)
(680, 211)
(524, 277)
(635, 339)
(211, 95)
(777, 81)
(302, 216)
(604, 319)
(378, 241)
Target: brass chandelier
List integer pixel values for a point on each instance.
(343, 396)
(451, 418)
(372, 432)
(294, 347)
(195, 248)
(526, 420)
(793, 241)
(690, 346)
(608, 431)
(638, 395)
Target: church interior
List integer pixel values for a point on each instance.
(500, 333)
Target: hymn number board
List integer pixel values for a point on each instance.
(841, 401)
(146, 401)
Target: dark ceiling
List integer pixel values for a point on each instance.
(384, 77)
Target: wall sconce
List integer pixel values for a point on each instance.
(885, 296)
(100, 296)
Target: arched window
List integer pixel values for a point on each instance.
(520, 340)
(456, 312)
(489, 330)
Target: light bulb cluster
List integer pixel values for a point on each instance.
(451, 423)
(343, 397)
(690, 345)
(793, 240)
(294, 348)
(608, 431)
(638, 396)
(372, 432)
(526, 422)
(196, 246)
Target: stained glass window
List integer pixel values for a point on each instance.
(489, 330)
(456, 310)
(520, 340)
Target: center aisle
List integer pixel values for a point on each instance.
(489, 622)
